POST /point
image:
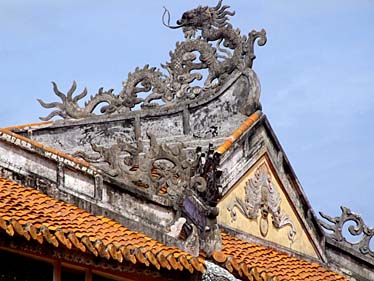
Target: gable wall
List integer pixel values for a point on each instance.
(253, 144)
(300, 242)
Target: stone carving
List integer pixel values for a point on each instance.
(176, 228)
(334, 230)
(68, 108)
(187, 236)
(216, 273)
(261, 196)
(192, 185)
(163, 169)
(232, 52)
(206, 166)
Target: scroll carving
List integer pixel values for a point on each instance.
(334, 229)
(202, 27)
(192, 185)
(163, 169)
(262, 197)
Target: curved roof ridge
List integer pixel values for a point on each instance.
(38, 145)
(28, 126)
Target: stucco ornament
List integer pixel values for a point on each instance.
(191, 184)
(262, 197)
(161, 169)
(359, 231)
(177, 81)
(214, 272)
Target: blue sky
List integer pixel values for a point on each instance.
(316, 71)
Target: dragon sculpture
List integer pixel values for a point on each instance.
(232, 52)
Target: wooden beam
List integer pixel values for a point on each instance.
(57, 271)
(88, 275)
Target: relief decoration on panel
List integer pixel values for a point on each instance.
(262, 198)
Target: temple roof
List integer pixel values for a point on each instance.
(36, 216)
(159, 173)
(256, 261)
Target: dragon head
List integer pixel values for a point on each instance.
(202, 18)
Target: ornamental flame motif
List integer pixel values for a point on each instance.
(261, 196)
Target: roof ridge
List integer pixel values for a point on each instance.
(30, 125)
(45, 148)
(254, 117)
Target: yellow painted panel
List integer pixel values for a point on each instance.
(258, 205)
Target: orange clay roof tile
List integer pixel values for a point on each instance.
(239, 132)
(29, 213)
(249, 259)
(34, 215)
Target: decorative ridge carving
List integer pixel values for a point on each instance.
(178, 83)
(192, 185)
(262, 196)
(162, 169)
(334, 229)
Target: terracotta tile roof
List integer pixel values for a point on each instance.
(239, 132)
(257, 262)
(34, 215)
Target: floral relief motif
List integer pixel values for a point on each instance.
(262, 196)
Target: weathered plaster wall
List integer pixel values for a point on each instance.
(207, 120)
(348, 263)
(23, 163)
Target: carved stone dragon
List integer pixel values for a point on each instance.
(233, 51)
